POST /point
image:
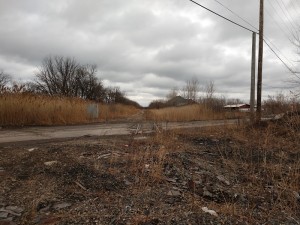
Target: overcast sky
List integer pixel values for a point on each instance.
(146, 47)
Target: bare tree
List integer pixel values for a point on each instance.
(4, 79)
(191, 89)
(57, 76)
(88, 85)
(114, 95)
(210, 90)
(64, 76)
(173, 93)
(210, 100)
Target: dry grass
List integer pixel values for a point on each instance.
(19, 109)
(116, 111)
(128, 180)
(265, 163)
(184, 113)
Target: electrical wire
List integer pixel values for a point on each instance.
(280, 27)
(286, 8)
(286, 13)
(234, 13)
(279, 16)
(292, 71)
(198, 4)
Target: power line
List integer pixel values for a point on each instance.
(294, 7)
(297, 3)
(286, 13)
(280, 27)
(292, 71)
(271, 43)
(286, 8)
(198, 4)
(235, 14)
(279, 16)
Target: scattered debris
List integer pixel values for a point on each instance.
(32, 149)
(140, 138)
(131, 180)
(147, 167)
(104, 156)
(211, 212)
(50, 163)
(80, 185)
(297, 195)
(174, 193)
(15, 209)
(222, 179)
(3, 215)
(63, 205)
(206, 193)
(2, 170)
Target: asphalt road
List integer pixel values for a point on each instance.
(103, 129)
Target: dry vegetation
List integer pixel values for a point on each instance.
(19, 109)
(116, 111)
(246, 174)
(190, 113)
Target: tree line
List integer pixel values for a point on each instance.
(64, 76)
(196, 93)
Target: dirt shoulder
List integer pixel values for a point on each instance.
(190, 176)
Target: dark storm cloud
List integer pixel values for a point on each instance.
(145, 47)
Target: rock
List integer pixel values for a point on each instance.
(59, 206)
(31, 149)
(127, 182)
(50, 163)
(147, 167)
(206, 193)
(15, 209)
(3, 215)
(211, 212)
(297, 196)
(174, 193)
(171, 180)
(1, 171)
(222, 179)
(12, 210)
(140, 138)
(104, 156)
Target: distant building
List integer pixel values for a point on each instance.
(238, 107)
(179, 101)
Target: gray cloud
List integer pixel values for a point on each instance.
(145, 47)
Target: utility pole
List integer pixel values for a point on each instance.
(252, 93)
(260, 60)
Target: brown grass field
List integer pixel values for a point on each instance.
(21, 109)
(190, 113)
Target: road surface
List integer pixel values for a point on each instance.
(122, 128)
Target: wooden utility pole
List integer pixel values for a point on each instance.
(260, 60)
(252, 92)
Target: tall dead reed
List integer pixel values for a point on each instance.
(20, 109)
